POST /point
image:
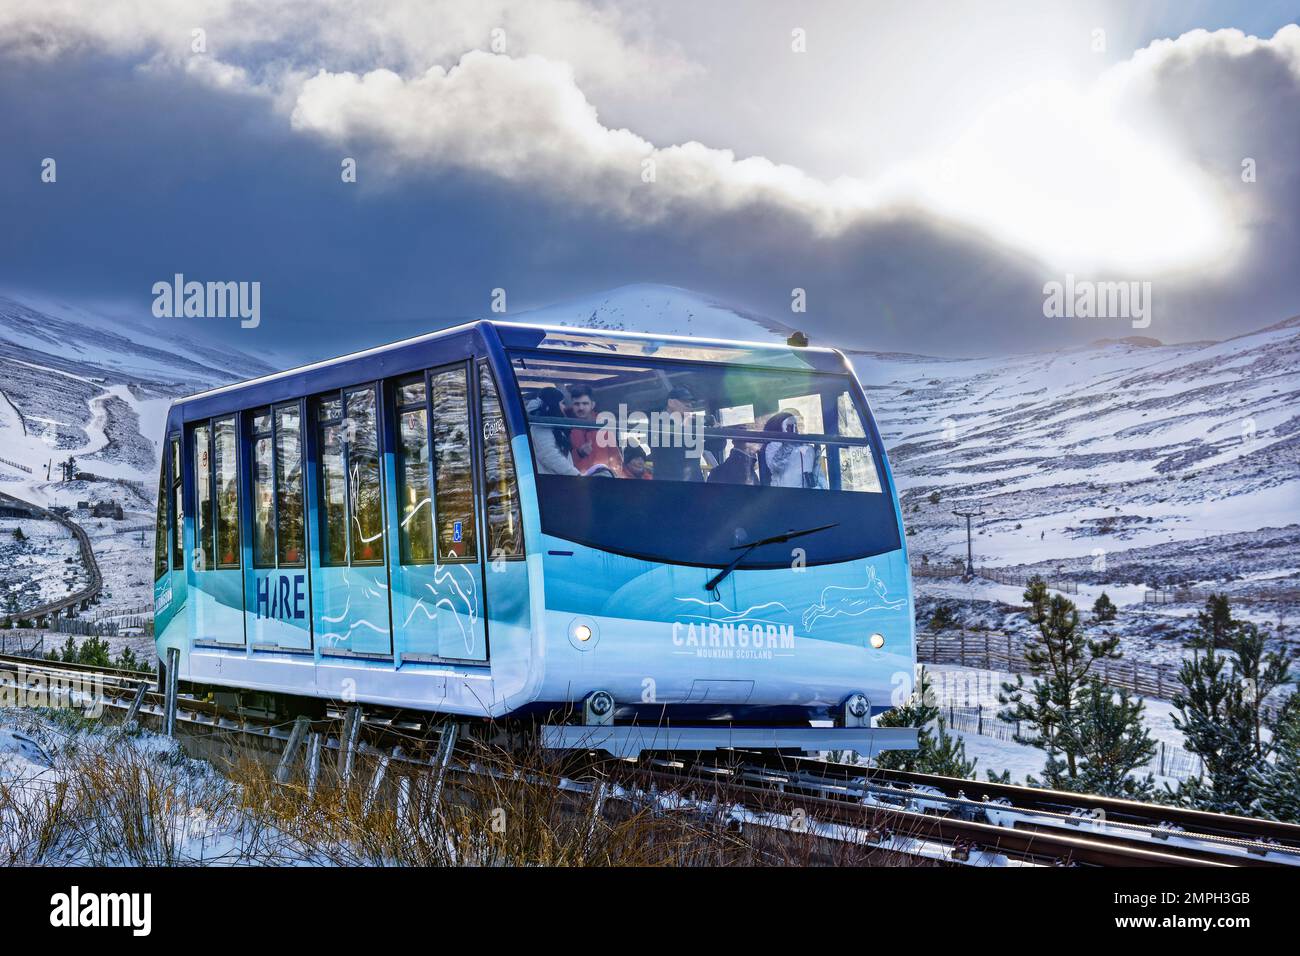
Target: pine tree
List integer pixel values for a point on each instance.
(1060, 658)
(938, 753)
(68, 653)
(942, 618)
(1104, 609)
(1036, 598)
(1106, 731)
(946, 755)
(1221, 707)
(1275, 786)
(94, 652)
(1261, 672)
(1215, 624)
(1216, 726)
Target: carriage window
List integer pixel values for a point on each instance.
(857, 467)
(288, 483)
(453, 469)
(263, 493)
(178, 508)
(334, 520)
(352, 506)
(414, 504)
(160, 527)
(366, 498)
(696, 422)
(226, 477)
(504, 526)
(203, 497)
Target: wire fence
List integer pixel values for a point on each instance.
(1169, 760)
(998, 650)
(999, 575)
(22, 642)
(1200, 595)
(116, 613)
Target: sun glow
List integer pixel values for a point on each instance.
(1057, 175)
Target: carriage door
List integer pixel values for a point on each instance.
(505, 571)
(218, 592)
(438, 575)
(276, 595)
(349, 574)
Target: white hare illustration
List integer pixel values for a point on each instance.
(850, 602)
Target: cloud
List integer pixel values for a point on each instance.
(1081, 180)
(1136, 175)
(610, 50)
(525, 121)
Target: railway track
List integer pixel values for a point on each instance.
(81, 599)
(942, 819)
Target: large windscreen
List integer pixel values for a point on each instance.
(632, 447)
(677, 421)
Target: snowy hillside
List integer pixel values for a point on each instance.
(96, 389)
(658, 308)
(1089, 454)
(73, 383)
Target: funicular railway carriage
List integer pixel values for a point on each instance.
(716, 560)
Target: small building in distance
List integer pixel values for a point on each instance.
(106, 509)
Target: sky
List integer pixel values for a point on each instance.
(921, 170)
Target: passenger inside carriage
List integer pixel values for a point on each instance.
(740, 466)
(635, 463)
(590, 445)
(674, 459)
(551, 443)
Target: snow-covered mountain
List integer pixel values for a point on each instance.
(80, 384)
(1116, 446)
(668, 310)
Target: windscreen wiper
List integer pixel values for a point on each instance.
(744, 550)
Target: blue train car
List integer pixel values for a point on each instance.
(638, 541)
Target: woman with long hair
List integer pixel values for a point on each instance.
(551, 444)
(785, 463)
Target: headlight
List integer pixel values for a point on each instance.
(877, 641)
(583, 633)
